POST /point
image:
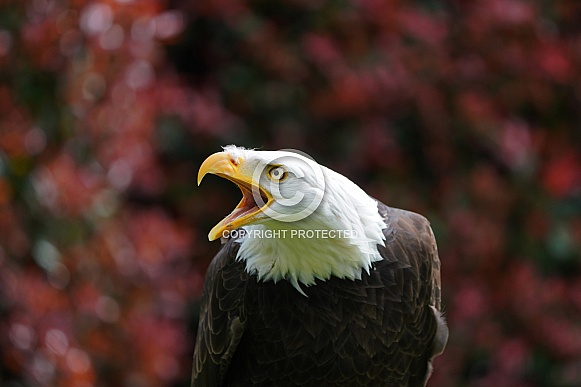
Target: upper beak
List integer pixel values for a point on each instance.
(218, 164)
(237, 171)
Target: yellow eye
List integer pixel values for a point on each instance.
(277, 173)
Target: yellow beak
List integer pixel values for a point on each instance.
(247, 211)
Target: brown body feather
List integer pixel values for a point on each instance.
(382, 330)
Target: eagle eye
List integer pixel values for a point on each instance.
(277, 173)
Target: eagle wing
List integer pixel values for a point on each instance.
(221, 317)
(411, 242)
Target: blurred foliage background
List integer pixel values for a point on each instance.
(468, 112)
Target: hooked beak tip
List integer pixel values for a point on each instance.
(217, 163)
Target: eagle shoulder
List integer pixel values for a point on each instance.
(410, 241)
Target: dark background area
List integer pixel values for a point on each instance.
(468, 112)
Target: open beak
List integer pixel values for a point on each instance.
(247, 211)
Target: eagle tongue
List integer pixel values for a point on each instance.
(246, 206)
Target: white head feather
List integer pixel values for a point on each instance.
(300, 248)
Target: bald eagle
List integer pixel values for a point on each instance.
(317, 283)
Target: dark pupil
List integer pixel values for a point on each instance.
(276, 172)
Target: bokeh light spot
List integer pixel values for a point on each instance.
(107, 309)
(96, 18)
(56, 341)
(78, 361)
(46, 254)
(42, 368)
(22, 336)
(168, 24)
(120, 175)
(139, 75)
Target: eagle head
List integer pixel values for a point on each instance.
(297, 219)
